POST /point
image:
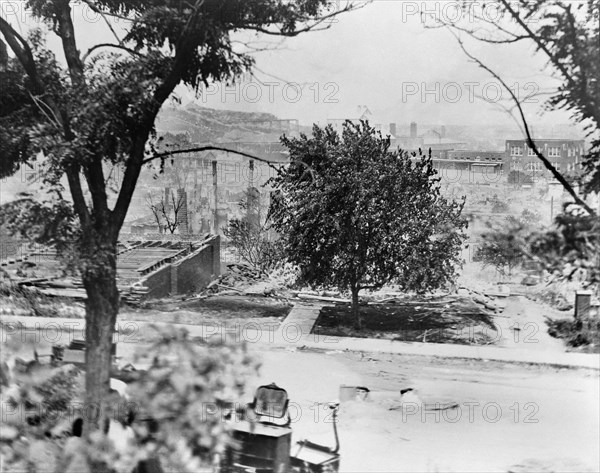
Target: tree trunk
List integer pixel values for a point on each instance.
(355, 308)
(102, 306)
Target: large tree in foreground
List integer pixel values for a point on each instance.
(355, 214)
(89, 113)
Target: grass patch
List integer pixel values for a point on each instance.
(582, 336)
(422, 322)
(216, 309)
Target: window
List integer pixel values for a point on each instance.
(556, 166)
(533, 167)
(516, 151)
(554, 151)
(530, 152)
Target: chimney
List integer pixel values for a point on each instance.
(168, 200)
(413, 129)
(393, 129)
(182, 214)
(216, 198)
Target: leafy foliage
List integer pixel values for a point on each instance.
(187, 392)
(571, 34)
(96, 111)
(567, 35)
(571, 249)
(252, 236)
(505, 248)
(519, 178)
(499, 206)
(586, 337)
(254, 244)
(530, 217)
(35, 402)
(50, 223)
(188, 389)
(354, 214)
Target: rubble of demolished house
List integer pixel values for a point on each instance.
(146, 269)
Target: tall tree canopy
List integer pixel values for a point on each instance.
(355, 214)
(85, 114)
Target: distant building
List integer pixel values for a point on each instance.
(281, 125)
(471, 166)
(406, 143)
(363, 114)
(564, 154)
(182, 214)
(441, 148)
(143, 225)
(433, 140)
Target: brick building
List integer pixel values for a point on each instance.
(564, 154)
(470, 166)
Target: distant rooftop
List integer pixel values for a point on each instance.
(545, 139)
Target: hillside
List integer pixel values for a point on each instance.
(204, 125)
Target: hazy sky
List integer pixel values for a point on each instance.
(381, 56)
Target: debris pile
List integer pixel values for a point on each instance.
(237, 277)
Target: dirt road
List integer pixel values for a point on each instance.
(509, 417)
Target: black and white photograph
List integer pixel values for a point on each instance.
(299, 236)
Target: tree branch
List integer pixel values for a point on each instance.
(66, 32)
(557, 62)
(108, 45)
(23, 52)
(183, 48)
(530, 142)
(95, 9)
(209, 148)
(541, 45)
(94, 174)
(25, 56)
(161, 94)
(77, 194)
(312, 27)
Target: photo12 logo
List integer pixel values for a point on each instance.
(436, 12)
(18, 11)
(63, 333)
(470, 411)
(454, 92)
(251, 90)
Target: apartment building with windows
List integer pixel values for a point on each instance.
(564, 154)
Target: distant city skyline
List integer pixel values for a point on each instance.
(381, 56)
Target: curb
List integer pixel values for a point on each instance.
(278, 339)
